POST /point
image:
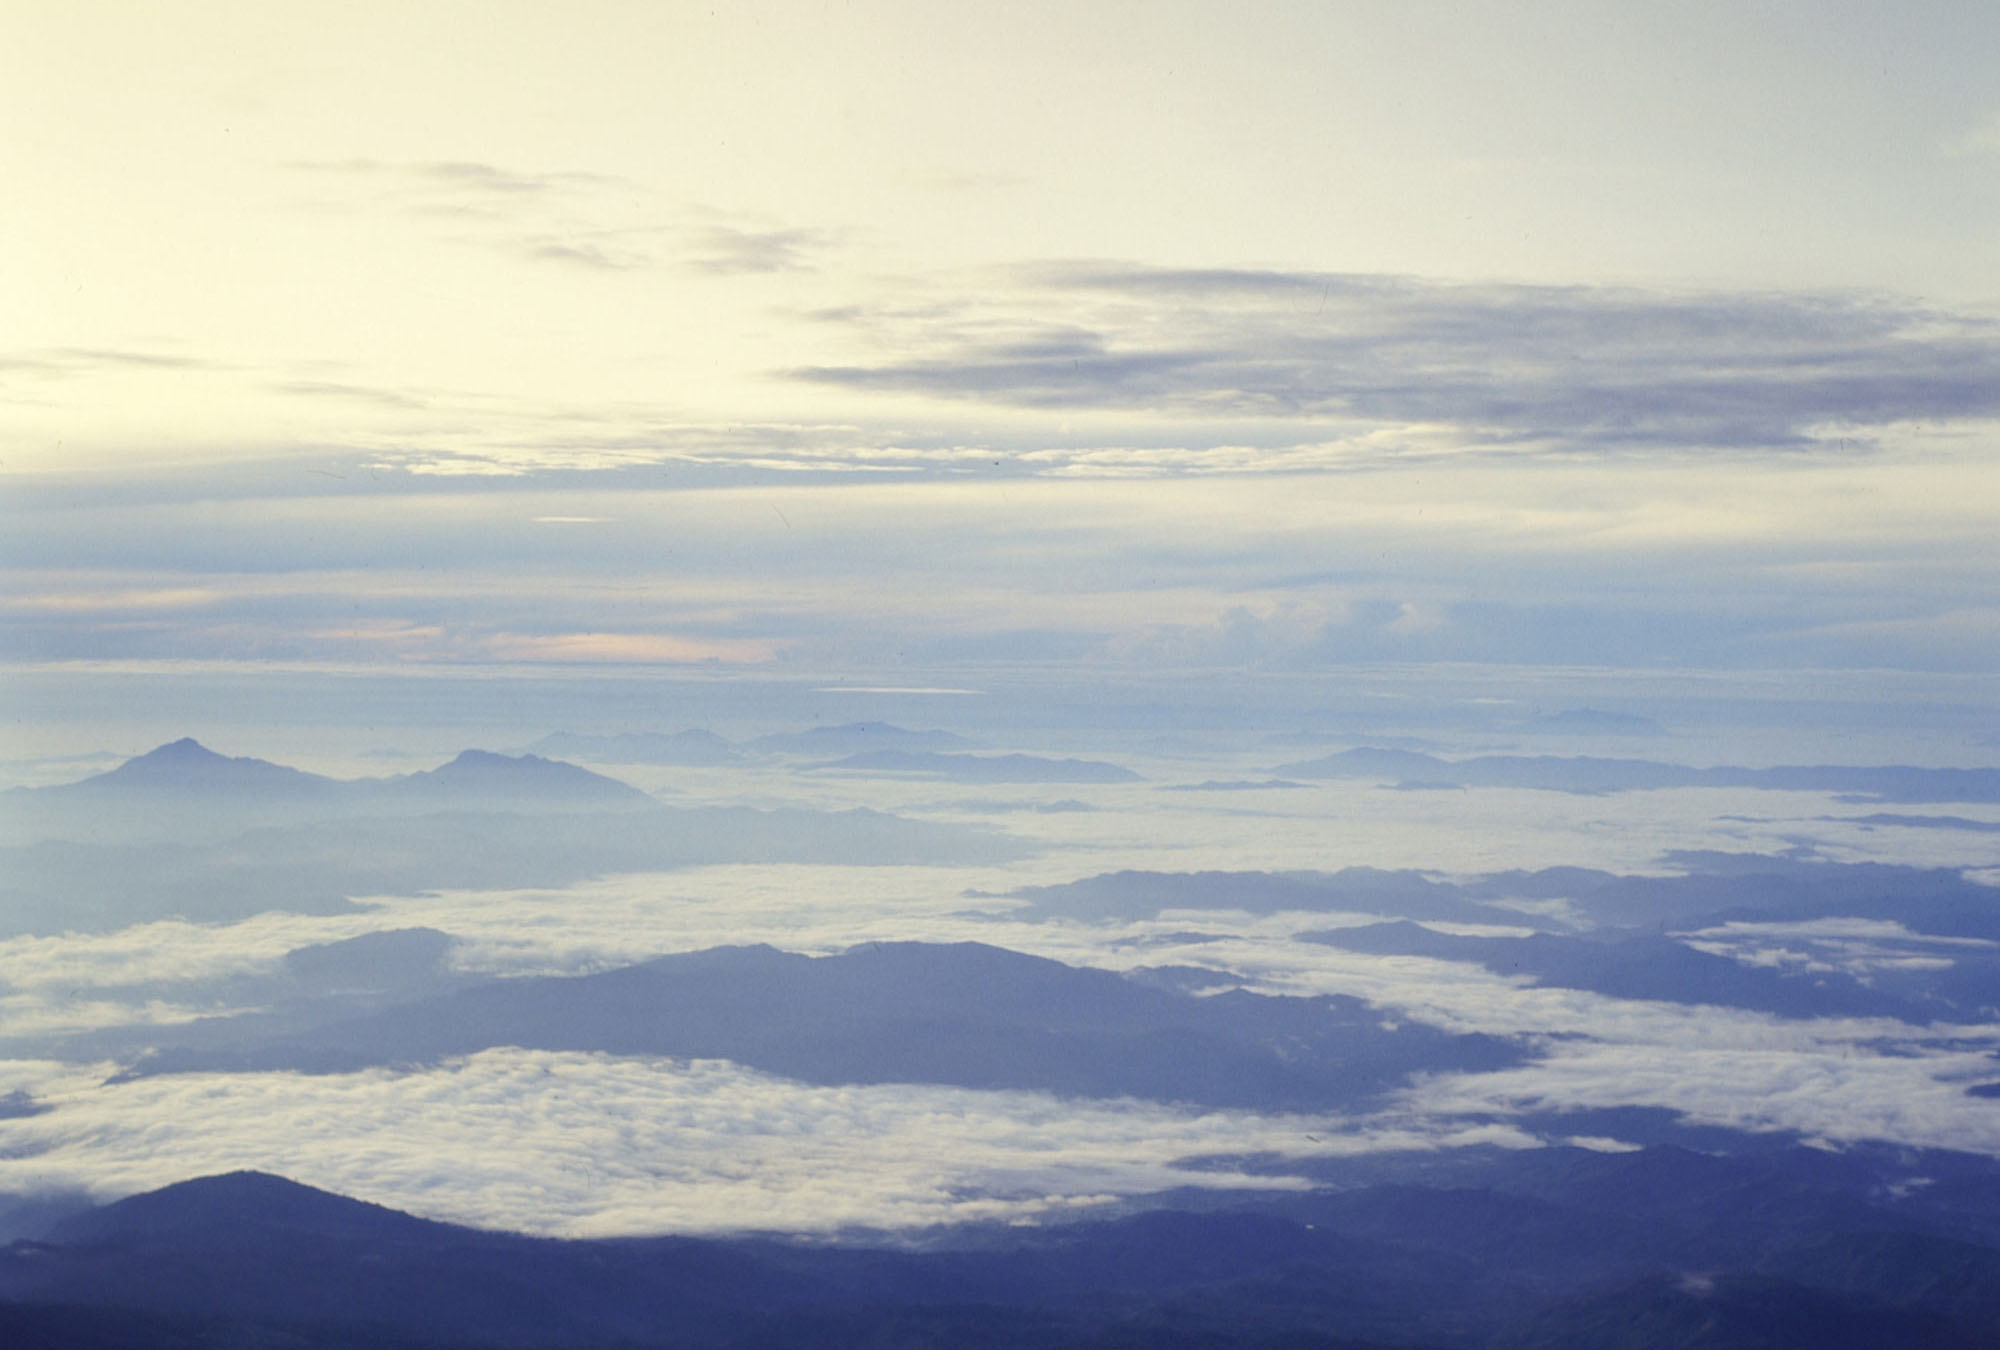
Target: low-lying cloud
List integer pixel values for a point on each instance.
(580, 1144)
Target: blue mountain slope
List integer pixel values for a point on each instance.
(1559, 1249)
(964, 1014)
(1650, 966)
(187, 773)
(186, 767)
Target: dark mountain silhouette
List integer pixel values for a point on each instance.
(962, 1014)
(237, 1208)
(1737, 1312)
(1553, 1247)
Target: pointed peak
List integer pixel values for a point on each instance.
(187, 764)
(490, 757)
(186, 748)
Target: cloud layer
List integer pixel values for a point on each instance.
(1579, 367)
(595, 1145)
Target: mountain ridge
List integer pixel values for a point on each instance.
(186, 767)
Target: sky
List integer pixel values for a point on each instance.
(909, 342)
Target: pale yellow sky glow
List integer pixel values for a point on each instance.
(235, 228)
(329, 261)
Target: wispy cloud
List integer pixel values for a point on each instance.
(388, 398)
(628, 648)
(1579, 366)
(1983, 138)
(726, 250)
(569, 217)
(67, 362)
(467, 180)
(537, 216)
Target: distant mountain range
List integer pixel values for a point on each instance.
(1615, 934)
(1707, 888)
(980, 768)
(184, 832)
(187, 770)
(1584, 774)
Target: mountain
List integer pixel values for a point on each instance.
(641, 747)
(962, 1014)
(854, 738)
(185, 773)
(981, 768)
(183, 793)
(1587, 775)
(188, 767)
(1709, 889)
(1701, 1312)
(237, 1208)
(1555, 1248)
(480, 776)
(1643, 967)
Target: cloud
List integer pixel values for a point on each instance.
(629, 648)
(728, 250)
(1916, 1097)
(583, 1144)
(579, 219)
(388, 398)
(73, 362)
(583, 253)
(1983, 138)
(554, 216)
(468, 180)
(489, 178)
(1580, 366)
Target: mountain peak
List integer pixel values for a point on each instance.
(474, 759)
(187, 764)
(185, 750)
(523, 776)
(233, 1206)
